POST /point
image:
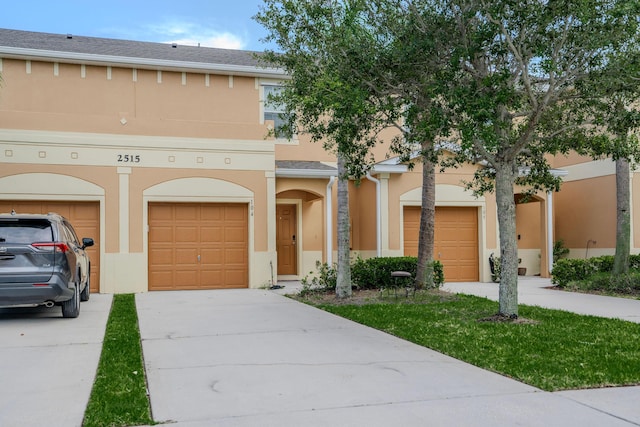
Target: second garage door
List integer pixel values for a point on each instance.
(456, 240)
(198, 246)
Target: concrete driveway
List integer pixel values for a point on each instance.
(48, 363)
(253, 357)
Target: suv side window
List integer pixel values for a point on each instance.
(25, 231)
(70, 234)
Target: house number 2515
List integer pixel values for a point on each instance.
(128, 158)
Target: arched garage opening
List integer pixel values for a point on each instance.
(80, 201)
(200, 232)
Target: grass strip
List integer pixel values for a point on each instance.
(553, 350)
(119, 395)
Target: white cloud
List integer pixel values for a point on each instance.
(223, 40)
(186, 33)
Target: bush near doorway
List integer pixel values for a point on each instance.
(370, 273)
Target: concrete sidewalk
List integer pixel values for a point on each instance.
(254, 357)
(537, 291)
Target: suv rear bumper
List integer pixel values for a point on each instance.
(14, 294)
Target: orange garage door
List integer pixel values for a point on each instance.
(198, 246)
(84, 216)
(456, 240)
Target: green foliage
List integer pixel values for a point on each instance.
(559, 250)
(552, 350)
(568, 270)
(323, 280)
(375, 273)
(119, 394)
(326, 50)
(495, 271)
(606, 283)
(370, 273)
(634, 262)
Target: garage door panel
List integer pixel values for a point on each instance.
(212, 213)
(160, 257)
(234, 256)
(236, 212)
(211, 256)
(235, 277)
(162, 213)
(455, 240)
(187, 279)
(208, 240)
(211, 278)
(187, 213)
(186, 257)
(211, 234)
(161, 234)
(186, 234)
(235, 235)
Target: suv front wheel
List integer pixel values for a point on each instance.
(86, 292)
(71, 307)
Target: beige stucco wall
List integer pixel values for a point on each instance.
(129, 130)
(586, 211)
(97, 99)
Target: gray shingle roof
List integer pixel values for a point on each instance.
(303, 165)
(66, 45)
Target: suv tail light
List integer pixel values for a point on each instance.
(53, 246)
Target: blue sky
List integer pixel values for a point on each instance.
(212, 23)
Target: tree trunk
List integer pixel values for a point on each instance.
(623, 220)
(343, 281)
(424, 270)
(508, 298)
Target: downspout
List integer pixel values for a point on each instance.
(329, 198)
(378, 216)
(550, 231)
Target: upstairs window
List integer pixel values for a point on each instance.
(273, 110)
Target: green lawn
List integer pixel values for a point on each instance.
(119, 395)
(552, 349)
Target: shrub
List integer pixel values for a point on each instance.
(375, 273)
(371, 273)
(634, 262)
(628, 284)
(323, 280)
(559, 250)
(567, 270)
(494, 263)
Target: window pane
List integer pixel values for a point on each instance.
(271, 106)
(278, 122)
(25, 231)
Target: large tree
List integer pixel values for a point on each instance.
(410, 71)
(518, 65)
(613, 96)
(320, 44)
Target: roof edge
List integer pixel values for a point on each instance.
(141, 63)
(306, 173)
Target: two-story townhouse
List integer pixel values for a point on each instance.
(161, 153)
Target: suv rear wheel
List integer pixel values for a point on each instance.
(71, 307)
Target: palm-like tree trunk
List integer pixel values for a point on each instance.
(623, 219)
(343, 281)
(424, 270)
(508, 299)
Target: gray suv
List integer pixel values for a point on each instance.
(42, 263)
